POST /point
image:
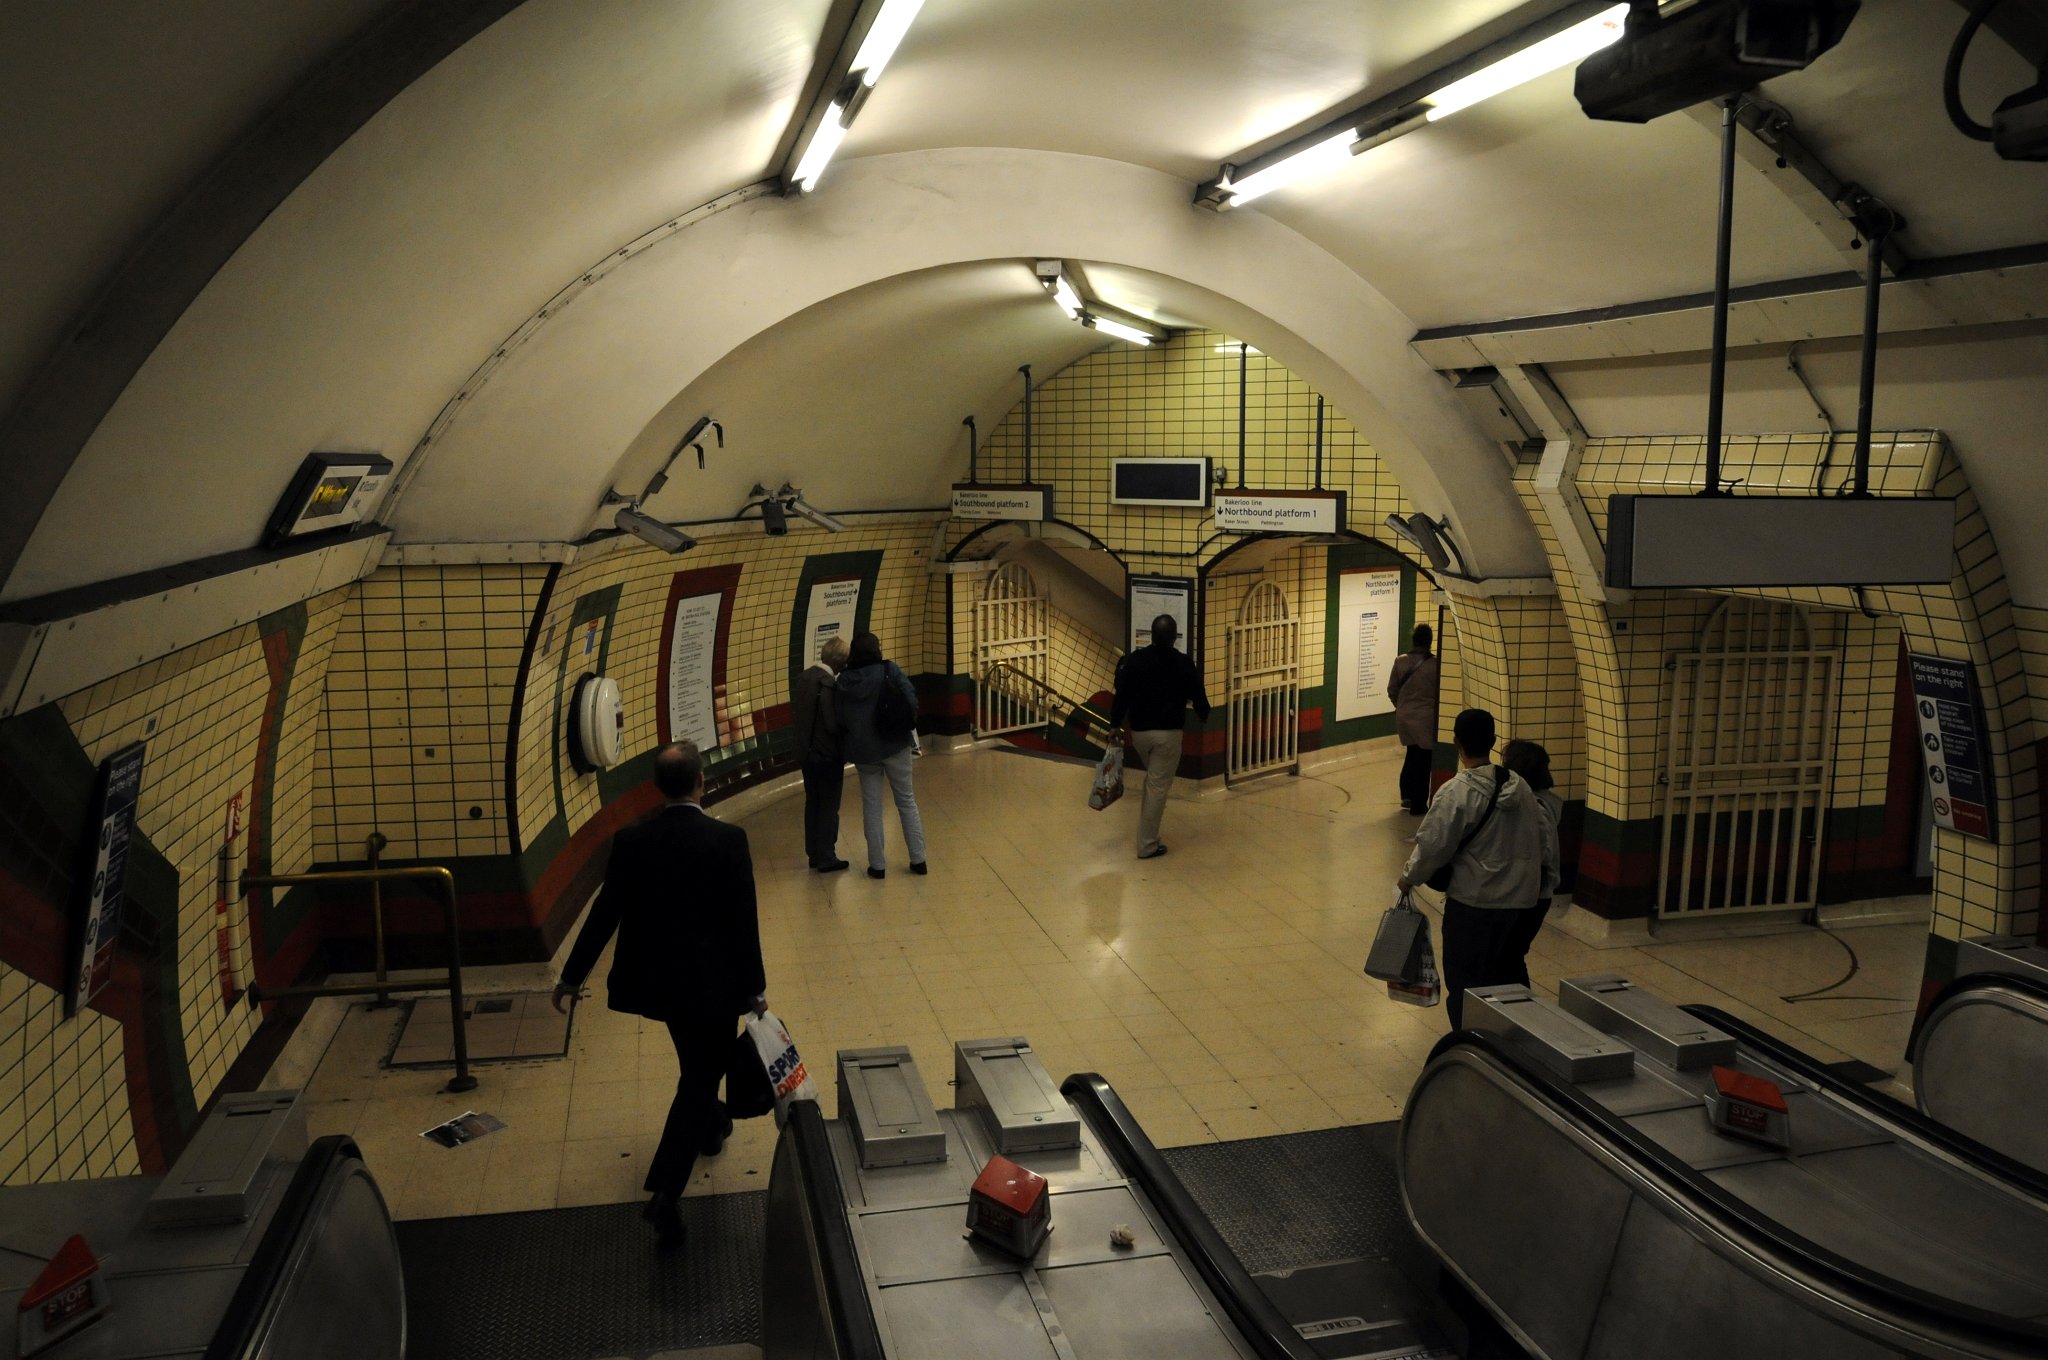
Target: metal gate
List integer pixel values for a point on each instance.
(1748, 751)
(1010, 634)
(1263, 732)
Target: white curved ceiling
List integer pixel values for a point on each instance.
(569, 128)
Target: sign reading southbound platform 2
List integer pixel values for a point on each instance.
(989, 500)
(1280, 512)
(1952, 744)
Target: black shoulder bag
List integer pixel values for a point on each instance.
(1441, 879)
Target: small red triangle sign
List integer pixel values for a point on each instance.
(73, 1262)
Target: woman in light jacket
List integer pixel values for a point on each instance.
(877, 757)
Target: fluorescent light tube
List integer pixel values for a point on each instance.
(1119, 330)
(1063, 293)
(1324, 155)
(831, 132)
(1559, 49)
(883, 36)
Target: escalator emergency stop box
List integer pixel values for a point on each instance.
(1010, 1207)
(1749, 1106)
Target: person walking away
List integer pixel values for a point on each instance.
(1532, 762)
(879, 753)
(679, 893)
(814, 712)
(1154, 686)
(1485, 824)
(1412, 686)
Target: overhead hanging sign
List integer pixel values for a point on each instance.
(1280, 512)
(1952, 746)
(100, 923)
(990, 500)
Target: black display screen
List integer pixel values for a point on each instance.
(1172, 481)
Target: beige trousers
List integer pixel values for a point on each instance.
(1161, 753)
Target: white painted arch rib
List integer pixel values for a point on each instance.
(601, 376)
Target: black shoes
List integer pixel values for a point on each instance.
(715, 1144)
(830, 866)
(920, 868)
(665, 1213)
(1154, 853)
(878, 873)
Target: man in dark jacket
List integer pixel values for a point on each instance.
(1412, 686)
(679, 892)
(814, 713)
(1154, 686)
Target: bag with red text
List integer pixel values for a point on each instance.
(786, 1071)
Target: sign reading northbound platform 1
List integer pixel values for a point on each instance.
(1952, 744)
(1280, 512)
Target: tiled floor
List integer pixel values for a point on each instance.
(1218, 988)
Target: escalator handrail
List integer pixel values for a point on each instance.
(1983, 981)
(249, 1312)
(2018, 1175)
(1271, 1336)
(846, 1296)
(1879, 1296)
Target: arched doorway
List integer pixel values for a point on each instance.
(1011, 638)
(1748, 750)
(1263, 721)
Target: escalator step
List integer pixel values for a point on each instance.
(1300, 1199)
(582, 1284)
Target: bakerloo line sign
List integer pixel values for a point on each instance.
(994, 500)
(1280, 512)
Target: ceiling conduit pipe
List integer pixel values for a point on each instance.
(1717, 366)
(1319, 441)
(1025, 369)
(972, 476)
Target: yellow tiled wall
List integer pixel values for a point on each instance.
(1515, 659)
(63, 1089)
(419, 694)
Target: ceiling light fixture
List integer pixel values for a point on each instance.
(871, 40)
(1121, 330)
(1552, 42)
(1053, 276)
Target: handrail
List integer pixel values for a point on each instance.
(1072, 704)
(1976, 982)
(848, 1311)
(1270, 1335)
(1865, 1290)
(444, 880)
(1877, 1105)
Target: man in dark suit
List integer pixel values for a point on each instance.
(814, 714)
(679, 892)
(1154, 686)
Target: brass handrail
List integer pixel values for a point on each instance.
(1094, 714)
(435, 874)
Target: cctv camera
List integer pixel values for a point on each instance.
(653, 531)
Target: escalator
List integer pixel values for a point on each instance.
(1980, 1058)
(1562, 1165)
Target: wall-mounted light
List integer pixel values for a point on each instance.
(1132, 331)
(1556, 41)
(1057, 280)
(871, 40)
(652, 531)
(1052, 276)
(1430, 537)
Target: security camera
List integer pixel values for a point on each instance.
(1715, 49)
(651, 530)
(793, 501)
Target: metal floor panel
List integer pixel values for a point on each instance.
(580, 1284)
(1300, 1199)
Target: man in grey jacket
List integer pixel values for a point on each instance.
(1505, 861)
(814, 713)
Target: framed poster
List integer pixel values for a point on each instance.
(831, 611)
(695, 632)
(1952, 746)
(1151, 596)
(99, 921)
(1368, 640)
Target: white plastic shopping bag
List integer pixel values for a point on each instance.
(1425, 987)
(786, 1070)
(1109, 778)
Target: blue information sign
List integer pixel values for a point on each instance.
(1951, 721)
(100, 931)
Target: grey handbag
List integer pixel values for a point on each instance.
(1397, 947)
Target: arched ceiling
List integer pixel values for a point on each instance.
(362, 307)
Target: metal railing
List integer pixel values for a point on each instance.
(1004, 670)
(444, 882)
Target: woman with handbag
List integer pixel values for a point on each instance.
(878, 724)
(1485, 833)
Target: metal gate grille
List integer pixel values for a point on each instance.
(1749, 749)
(1263, 732)
(1010, 631)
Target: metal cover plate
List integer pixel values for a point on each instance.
(882, 1097)
(1134, 1308)
(1567, 1046)
(1614, 1005)
(990, 1317)
(1081, 1221)
(1641, 1092)
(1021, 1105)
(905, 1245)
(1816, 1127)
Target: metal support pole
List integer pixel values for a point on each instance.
(1866, 390)
(1025, 369)
(1243, 360)
(1319, 441)
(374, 845)
(1717, 370)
